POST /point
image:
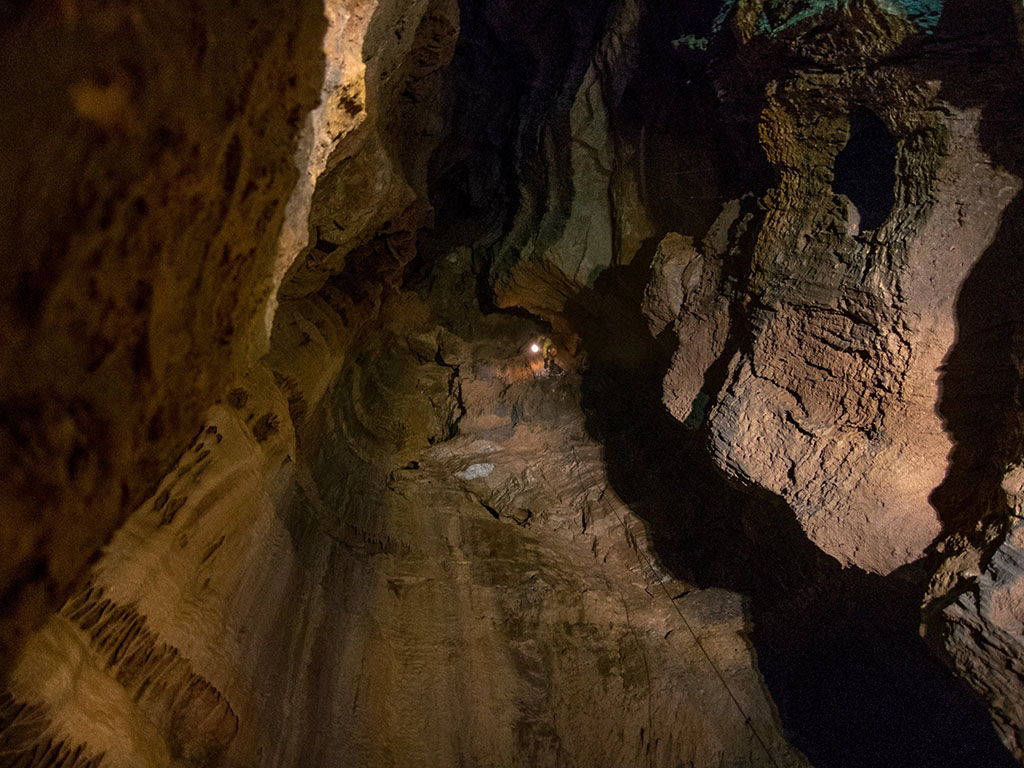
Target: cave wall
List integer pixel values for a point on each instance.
(870, 380)
(357, 591)
(194, 208)
(578, 211)
(388, 110)
(826, 306)
(234, 267)
(145, 154)
(154, 276)
(319, 579)
(842, 340)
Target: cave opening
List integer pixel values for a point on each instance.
(865, 168)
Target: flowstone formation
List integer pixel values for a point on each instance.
(284, 482)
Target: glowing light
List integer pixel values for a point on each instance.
(535, 348)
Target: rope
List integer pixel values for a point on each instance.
(689, 628)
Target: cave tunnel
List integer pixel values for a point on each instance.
(474, 383)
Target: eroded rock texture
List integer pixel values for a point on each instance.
(775, 244)
(843, 343)
(381, 114)
(860, 321)
(145, 154)
(433, 570)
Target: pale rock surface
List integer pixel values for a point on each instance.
(342, 109)
(370, 140)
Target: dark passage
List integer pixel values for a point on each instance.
(865, 169)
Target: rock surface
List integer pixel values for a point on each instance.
(827, 397)
(433, 570)
(145, 154)
(834, 342)
(980, 620)
(372, 136)
(781, 234)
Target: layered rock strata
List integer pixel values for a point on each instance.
(368, 552)
(843, 342)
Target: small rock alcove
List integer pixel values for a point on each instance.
(865, 169)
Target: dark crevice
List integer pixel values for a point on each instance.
(694, 156)
(865, 169)
(514, 76)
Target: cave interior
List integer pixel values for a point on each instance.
(592, 383)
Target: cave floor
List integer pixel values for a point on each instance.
(459, 560)
(491, 599)
(520, 572)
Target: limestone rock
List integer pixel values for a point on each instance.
(685, 292)
(988, 602)
(145, 154)
(395, 537)
(372, 136)
(364, 588)
(830, 399)
(584, 214)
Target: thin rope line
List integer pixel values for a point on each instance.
(746, 718)
(649, 731)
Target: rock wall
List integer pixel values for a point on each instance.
(845, 386)
(141, 282)
(146, 152)
(376, 549)
(578, 211)
(431, 570)
(870, 379)
(828, 398)
(843, 342)
(384, 116)
(326, 576)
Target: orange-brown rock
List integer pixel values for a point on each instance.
(768, 401)
(146, 152)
